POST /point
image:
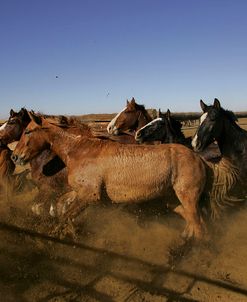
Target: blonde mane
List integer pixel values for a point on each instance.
(225, 177)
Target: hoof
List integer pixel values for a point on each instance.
(53, 211)
(38, 209)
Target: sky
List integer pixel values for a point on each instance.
(89, 56)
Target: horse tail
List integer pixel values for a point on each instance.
(225, 176)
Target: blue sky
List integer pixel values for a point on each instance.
(89, 56)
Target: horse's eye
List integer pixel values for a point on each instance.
(213, 115)
(27, 131)
(11, 122)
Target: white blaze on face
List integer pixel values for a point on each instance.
(147, 125)
(111, 126)
(3, 126)
(151, 123)
(195, 138)
(203, 117)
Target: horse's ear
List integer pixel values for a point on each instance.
(168, 113)
(127, 102)
(159, 113)
(203, 106)
(22, 112)
(217, 104)
(36, 118)
(133, 100)
(11, 113)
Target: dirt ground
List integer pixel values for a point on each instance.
(121, 253)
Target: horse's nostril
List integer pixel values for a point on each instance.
(109, 129)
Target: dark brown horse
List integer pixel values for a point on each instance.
(99, 169)
(164, 128)
(217, 124)
(12, 129)
(130, 119)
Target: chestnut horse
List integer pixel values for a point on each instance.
(48, 171)
(130, 119)
(217, 124)
(8, 130)
(101, 169)
(7, 168)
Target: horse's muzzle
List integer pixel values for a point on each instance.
(198, 148)
(113, 130)
(138, 137)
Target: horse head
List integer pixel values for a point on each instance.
(164, 128)
(211, 125)
(32, 141)
(131, 118)
(11, 130)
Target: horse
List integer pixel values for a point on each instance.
(167, 129)
(101, 170)
(48, 171)
(130, 119)
(7, 168)
(218, 124)
(164, 128)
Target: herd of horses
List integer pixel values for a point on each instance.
(72, 167)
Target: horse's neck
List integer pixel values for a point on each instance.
(233, 142)
(176, 135)
(143, 119)
(61, 142)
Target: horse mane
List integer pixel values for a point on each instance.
(225, 176)
(76, 123)
(142, 108)
(176, 128)
(230, 115)
(241, 134)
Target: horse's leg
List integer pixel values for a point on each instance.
(189, 211)
(65, 202)
(180, 210)
(43, 200)
(72, 204)
(89, 193)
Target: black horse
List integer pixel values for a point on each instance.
(230, 173)
(164, 128)
(218, 124)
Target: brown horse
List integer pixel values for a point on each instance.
(7, 168)
(12, 129)
(99, 169)
(8, 131)
(130, 119)
(48, 171)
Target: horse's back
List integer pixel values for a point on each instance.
(137, 172)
